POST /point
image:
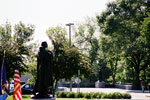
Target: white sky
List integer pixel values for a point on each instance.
(47, 13)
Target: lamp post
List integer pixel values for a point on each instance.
(69, 24)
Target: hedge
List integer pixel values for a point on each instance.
(93, 95)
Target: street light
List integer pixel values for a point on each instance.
(69, 24)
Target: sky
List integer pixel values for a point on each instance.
(48, 13)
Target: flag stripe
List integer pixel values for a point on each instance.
(17, 76)
(17, 86)
(16, 98)
(17, 80)
(19, 93)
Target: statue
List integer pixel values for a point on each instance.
(44, 72)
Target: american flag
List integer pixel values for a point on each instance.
(17, 86)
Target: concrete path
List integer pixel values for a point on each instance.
(136, 94)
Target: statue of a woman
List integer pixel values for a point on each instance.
(44, 72)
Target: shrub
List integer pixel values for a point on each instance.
(93, 95)
(104, 96)
(70, 95)
(87, 95)
(57, 93)
(126, 96)
(79, 95)
(99, 95)
(115, 95)
(61, 94)
(110, 95)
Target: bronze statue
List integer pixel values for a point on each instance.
(44, 72)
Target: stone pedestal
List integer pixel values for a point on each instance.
(99, 84)
(44, 99)
(41, 98)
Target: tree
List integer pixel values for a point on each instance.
(16, 47)
(111, 52)
(67, 61)
(145, 30)
(86, 38)
(32, 70)
(121, 20)
(145, 37)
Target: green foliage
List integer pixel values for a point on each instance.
(70, 95)
(122, 22)
(16, 45)
(145, 30)
(99, 95)
(87, 95)
(104, 96)
(86, 38)
(92, 95)
(110, 54)
(67, 61)
(126, 95)
(79, 95)
(61, 94)
(32, 69)
(117, 95)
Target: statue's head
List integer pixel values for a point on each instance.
(44, 44)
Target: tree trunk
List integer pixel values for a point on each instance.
(114, 68)
(114, 80)
(137, 81)
(144, 74)
(54, 89)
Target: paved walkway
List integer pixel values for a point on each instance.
(136, 94)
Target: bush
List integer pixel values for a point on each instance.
(110, 95)
(99, 95)
(104, 96)
(126, 96)
(70, 95)
(79, 95)
(93, 95)
(115, 95)
(87, 95)
(61, 94)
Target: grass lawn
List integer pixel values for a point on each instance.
(69, 99)
(25, 97)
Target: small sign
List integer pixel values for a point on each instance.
(78, 80)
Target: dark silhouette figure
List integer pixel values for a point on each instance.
(44, 72)
(100, 75)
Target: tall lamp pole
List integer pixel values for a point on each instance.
(69, 24)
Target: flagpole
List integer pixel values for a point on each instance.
(2, 69)
(17, 86)
(3, 80)
(4, 54)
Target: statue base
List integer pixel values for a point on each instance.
(43, 99)
(50, 98)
